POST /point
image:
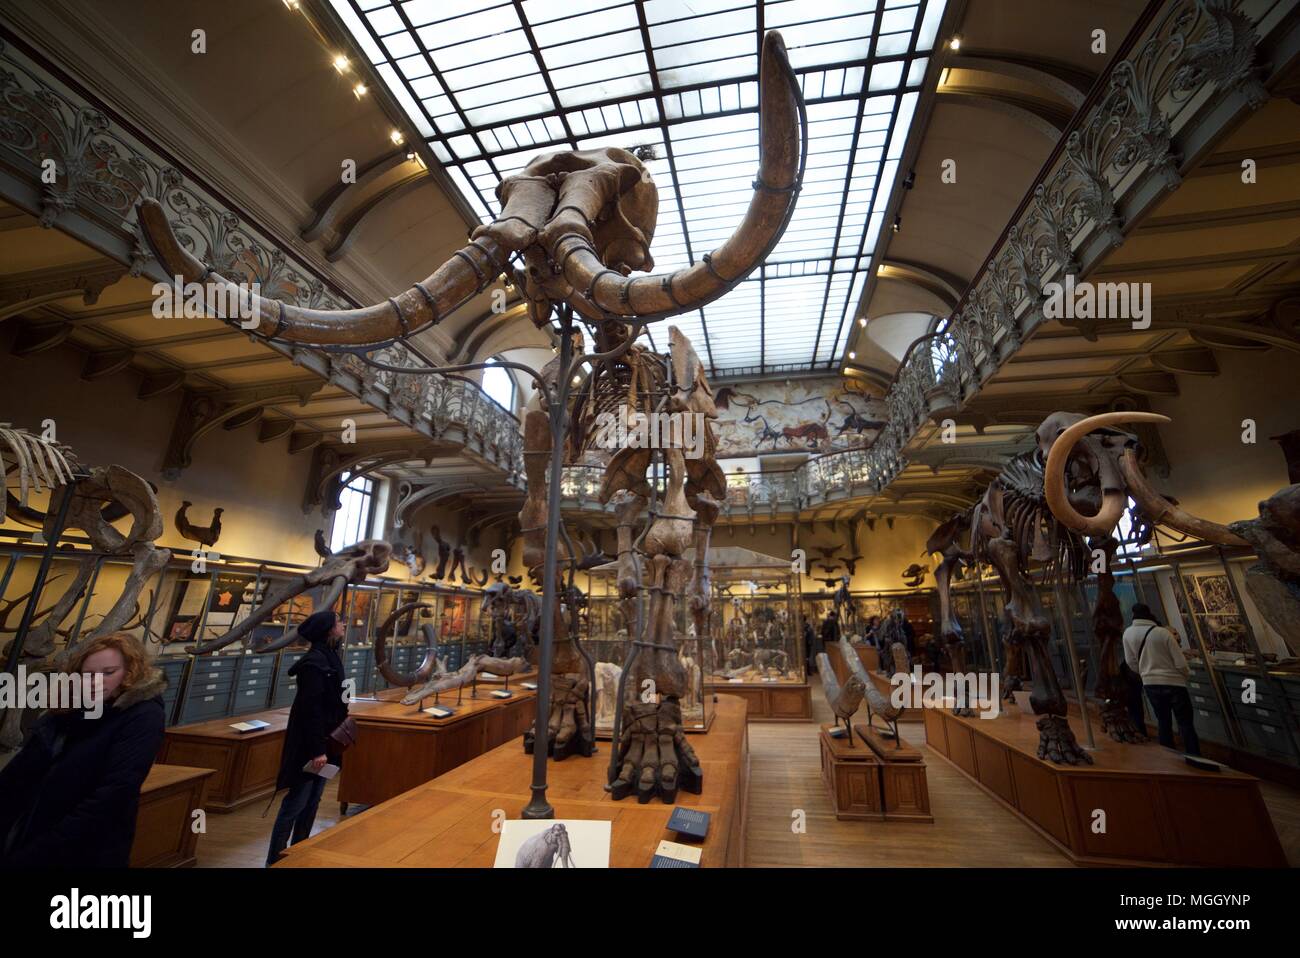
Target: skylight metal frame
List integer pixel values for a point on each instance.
(783, 293)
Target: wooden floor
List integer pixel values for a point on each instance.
(970, 828)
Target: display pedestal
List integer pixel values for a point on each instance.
(1157, 808)
(769, 701)
(168, 797)
(246, 763)
(904, 788)
(852, 774)
(449, 822)
(399, 747)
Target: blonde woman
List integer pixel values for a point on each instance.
(70, 795)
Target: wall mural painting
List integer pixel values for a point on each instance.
(809, 415)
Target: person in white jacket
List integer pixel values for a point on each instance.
(1153, 653)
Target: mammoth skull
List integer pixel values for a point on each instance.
(580, 221)
(1089, 462)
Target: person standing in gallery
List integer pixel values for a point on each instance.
(319, 707)
(1153, 652)
(69, 797)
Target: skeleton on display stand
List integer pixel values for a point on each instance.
(1059, 506)
(579, 223)
(89, 500)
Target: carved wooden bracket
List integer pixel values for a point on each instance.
(200, 413)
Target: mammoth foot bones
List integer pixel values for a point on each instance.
(1056, 742)
(568, 730)
(1116, 723)
(654, 757)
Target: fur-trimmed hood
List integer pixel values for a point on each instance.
(152, 686)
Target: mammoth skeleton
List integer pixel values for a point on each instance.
(1059, 506)
(573, 228)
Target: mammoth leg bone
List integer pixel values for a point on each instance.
(653, 753)
(1108, 629)
(1031, 630)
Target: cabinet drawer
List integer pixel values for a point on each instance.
(1204, 701)
(251, 699)
(1267, 737)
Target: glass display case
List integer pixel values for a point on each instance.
(757, 631)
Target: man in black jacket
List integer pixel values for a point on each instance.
(318, 708)
(69, 797)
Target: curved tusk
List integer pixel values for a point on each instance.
(1113, 501)
(1163, 512)
(784, 148)
(470, 271)
(394, 677)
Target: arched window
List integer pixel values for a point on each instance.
(352, 521)
(500, 386)
(943, 350)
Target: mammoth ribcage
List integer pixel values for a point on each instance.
(1027, 517)
(633, 381)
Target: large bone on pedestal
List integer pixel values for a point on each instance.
(446, 681)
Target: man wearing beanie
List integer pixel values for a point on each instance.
(318, 708)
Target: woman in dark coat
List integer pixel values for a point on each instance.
(69, 797)
(318, 708)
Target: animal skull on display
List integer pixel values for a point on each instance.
(581, 222)
(349, 566)
(1068, 441)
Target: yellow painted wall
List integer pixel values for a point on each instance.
(1212, 472)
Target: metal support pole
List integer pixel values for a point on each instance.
(1063, 616)
(38, 583)
(538, 806)
(990, 636)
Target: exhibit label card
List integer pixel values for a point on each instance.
(672, 855)
(252, 725)
(439, 711)
(688, 821)
(568, 843)
(502, 694)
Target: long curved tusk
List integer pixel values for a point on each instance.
(1113, 501)
(1163, 512)
(784, 148)
(382, 662)
(470, 271)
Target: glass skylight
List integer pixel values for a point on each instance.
(491, 84)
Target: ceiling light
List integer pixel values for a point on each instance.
(291, 4)
(396, 137)
(341, 63)
(359, 90)
(954, 44)
(410, 155)
(853, 355)
(862, 320)
(898, 223)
